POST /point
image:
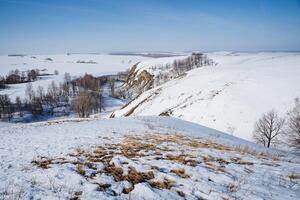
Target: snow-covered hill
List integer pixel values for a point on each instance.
(230, 96)
(139, 158)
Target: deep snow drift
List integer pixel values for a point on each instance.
(139, 158)
(230, 96)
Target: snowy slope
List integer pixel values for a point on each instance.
(139, 158)
(230, 96)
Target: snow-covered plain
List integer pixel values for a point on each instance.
(103, 65)
(230, 96)
(139, 158)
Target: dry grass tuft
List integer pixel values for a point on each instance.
(294, 176)
(127, 190)
(115, 172)
(80, 169)
(134, 147)
(133, 175)
(183, 159)
(103, 187)
(165, 184)
(155, 168)
(76, 196)
(180, 172)
(136, 177)
(42, 163)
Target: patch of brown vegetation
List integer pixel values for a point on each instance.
(180, 172)
(155, 168)
(127, 190)
(103, 186)
(148, 146)
(134, 147)
(294, 176)
(183, 159)
(210, 165)
(165, 184)
(242, 162)
(115, 172)
(80, 169)
(42, 162)
(133, 175)
(76, 196)
(136, 177)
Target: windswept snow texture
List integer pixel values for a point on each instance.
(75, 64)
(230, 96)
(139, 158)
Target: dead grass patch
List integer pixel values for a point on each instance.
(115, 172)
(165, 184)
(42, 162)
(149, 146)
(80, 169)
(103, 186)
(133, 175)
(136, 177)
(77, 195)
(180, 172)
(183, 159)
(294, 176)
(135, 147)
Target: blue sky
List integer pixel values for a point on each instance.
(83, 26)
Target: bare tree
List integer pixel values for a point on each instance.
(19, 105)
(40, 92)
(83, 104)
(67, 78)
(5, 106)
(2, 82)
(36, 106)
(293, 125)
(267, 128)
(112, 86)
(29, 93)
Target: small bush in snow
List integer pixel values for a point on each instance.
(267, 128)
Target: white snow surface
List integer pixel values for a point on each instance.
(259, 177)
(230, 96)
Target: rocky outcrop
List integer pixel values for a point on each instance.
(136, 82)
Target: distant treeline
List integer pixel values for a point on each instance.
(17, 76)
(180, 66)
(82, 95)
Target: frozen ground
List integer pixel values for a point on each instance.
(230, 96)
(101, 65)
(139, 158)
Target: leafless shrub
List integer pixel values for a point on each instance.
(83, 104)
(293, 125)
(267, 128)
